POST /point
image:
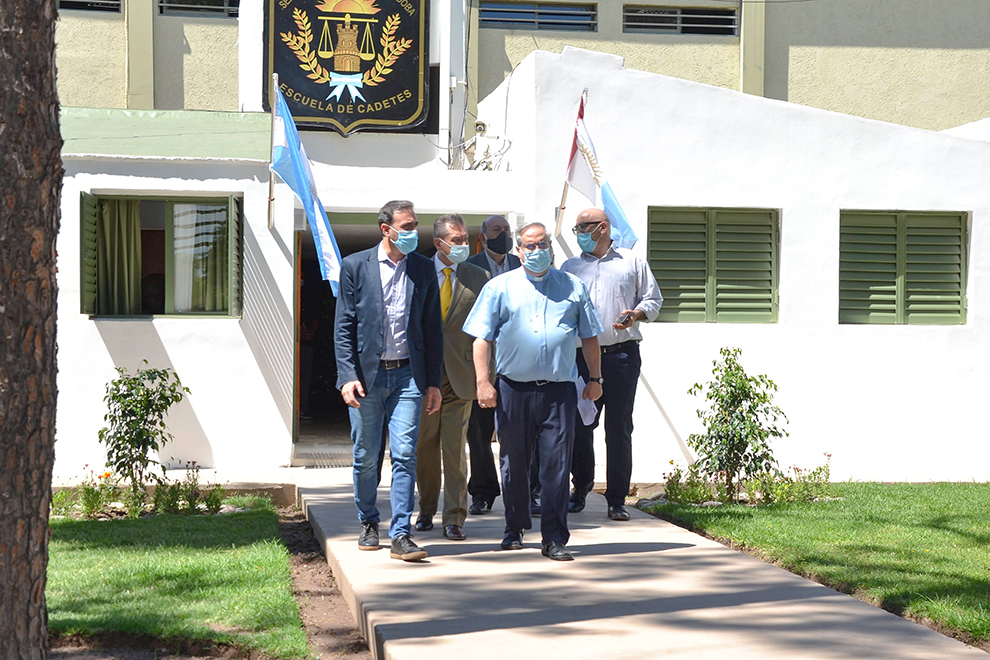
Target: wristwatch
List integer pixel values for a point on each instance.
(598, 380)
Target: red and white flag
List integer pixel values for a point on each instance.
(579, 173)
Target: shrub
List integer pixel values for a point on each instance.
(136, 422)
(797, 486)
(63, 501)
(692, 489)
(213, 500)
(739, 424)
(96, 492)
(168, 497)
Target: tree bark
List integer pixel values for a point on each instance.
(30, 189)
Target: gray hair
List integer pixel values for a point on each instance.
(387, 212)
(443, 225)
(527, 227)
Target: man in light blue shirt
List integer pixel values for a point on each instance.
(534, 316)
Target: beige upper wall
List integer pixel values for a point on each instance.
(195, 63)
(91, 59)
(922, 63)
(713, 60)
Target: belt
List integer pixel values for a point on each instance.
(394, 364)
(624, 346)
(529, 383)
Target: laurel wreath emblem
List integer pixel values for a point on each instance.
(300, 44)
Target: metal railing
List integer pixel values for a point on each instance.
(539, 16)
(679, 20)
(226, 8)
(91, 5)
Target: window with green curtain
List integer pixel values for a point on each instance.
(902, 267)
(715, 265)
(145, 256)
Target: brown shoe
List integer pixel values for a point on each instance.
(453, 532)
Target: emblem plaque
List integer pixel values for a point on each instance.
(349, 65)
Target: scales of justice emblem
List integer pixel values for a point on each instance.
(346, 44)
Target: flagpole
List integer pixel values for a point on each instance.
(271, 145)
(560, 209)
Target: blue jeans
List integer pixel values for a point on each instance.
(394, 400)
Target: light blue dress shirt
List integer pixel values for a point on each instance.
(395, 322)
(534, 322)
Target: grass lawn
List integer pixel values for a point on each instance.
(222, 578)
(922, 550)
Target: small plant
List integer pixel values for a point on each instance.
(96, 492)
(168, 496)
(134, 502)
(739, 424)
(796, 486)
(63, 501)
(190, 488)
(213, 500)
(692, 489)
(136, 422)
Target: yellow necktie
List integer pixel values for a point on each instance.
(445, 292)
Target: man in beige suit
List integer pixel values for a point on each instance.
(444, 435)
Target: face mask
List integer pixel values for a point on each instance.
(586, 242)
(499, 244)
(537, 261)
(458, 253)
(406, 241)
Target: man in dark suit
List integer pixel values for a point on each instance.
(389, 343)
(495, 257)
(442, 436)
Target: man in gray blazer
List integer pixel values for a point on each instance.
(389, 345)
(496, 258)
(442, 436)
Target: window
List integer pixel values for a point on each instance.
(160, 256)
(902, 267)
(90, 5)
(541, 16)
(715, 265)
(675, 20)
(223, 7)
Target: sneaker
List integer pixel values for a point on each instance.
(403, 548)
(369, 536)
(513, 539)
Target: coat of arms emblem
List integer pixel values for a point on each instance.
(350, 64)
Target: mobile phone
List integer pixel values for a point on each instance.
(622, 319)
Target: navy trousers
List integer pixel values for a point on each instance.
(620, 370)
(534, 415)
(483, 484)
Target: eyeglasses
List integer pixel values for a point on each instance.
(585, 227)
(542, 245)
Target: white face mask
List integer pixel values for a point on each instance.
(458, 253)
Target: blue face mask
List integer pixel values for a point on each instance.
(537, 261)
(458, 253)
(406, 241)
(586, 242)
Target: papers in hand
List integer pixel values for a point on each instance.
(586, 407)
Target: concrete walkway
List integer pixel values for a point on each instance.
(641, 589)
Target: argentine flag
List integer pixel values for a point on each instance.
(290, 163)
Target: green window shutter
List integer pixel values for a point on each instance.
(234, 219)
(868, 258)
(935, 269)
(677, 254)
(88, 214)
(745, 282)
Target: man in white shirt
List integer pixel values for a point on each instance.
(624, 292)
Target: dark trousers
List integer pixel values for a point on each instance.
(620, 369)
(531, 415)
(483, 484)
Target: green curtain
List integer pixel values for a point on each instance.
(118, 257)
(200, 244)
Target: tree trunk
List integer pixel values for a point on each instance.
(30, 189)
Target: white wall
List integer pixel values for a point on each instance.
(888, 402)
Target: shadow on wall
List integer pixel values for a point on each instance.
(131, 341)
(171, 49)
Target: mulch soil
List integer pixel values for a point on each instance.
(329, 624)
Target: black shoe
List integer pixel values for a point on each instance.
(557, 551)
(454, 532)
(513, 539)
(479, 507)
(618, 513)
(534, 507)
(369, 536)
(403, 548)
(424, 524)
(576, 503)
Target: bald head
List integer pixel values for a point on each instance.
(591, 215)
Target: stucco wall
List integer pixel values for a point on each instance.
(713, 60)
(91, 56)
(914, 62)
(196, 63)
(888, 402)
